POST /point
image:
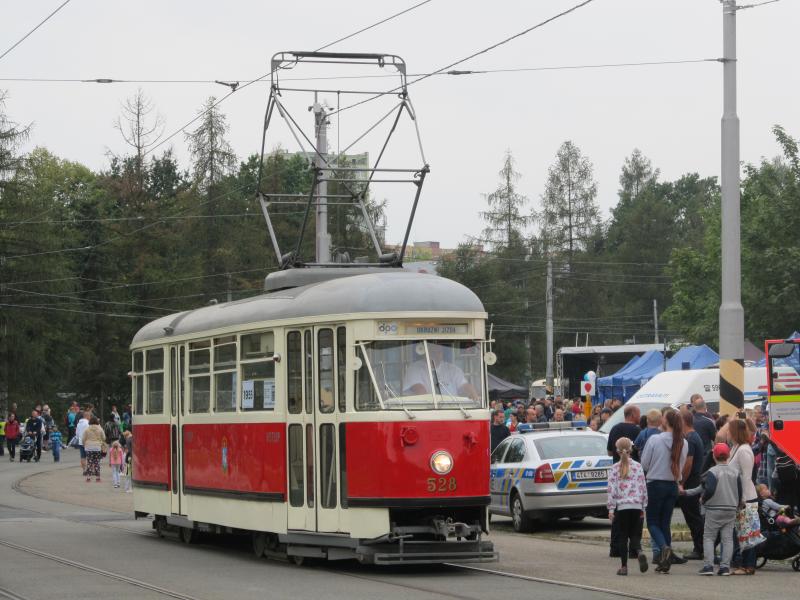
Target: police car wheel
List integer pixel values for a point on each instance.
(520, 520)
(796, 564)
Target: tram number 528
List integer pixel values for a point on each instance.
(442, 484)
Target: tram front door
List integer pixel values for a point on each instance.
(177, 355)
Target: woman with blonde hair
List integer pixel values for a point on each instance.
(627, 501)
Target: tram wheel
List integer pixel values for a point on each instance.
(161, 525)
(259, 543)
(796, 564)
(761, 561)
(188, 536)
(298, 560)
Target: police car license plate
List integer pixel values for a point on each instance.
(597, 474)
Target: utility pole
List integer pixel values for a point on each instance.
(549, 326)
(323, 241)
(230, 294)
(655, 317)
(731, 312)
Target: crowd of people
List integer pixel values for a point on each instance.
(708, 467)
(40, 433)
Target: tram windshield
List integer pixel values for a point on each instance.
(419, 375)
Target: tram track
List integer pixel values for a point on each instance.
(90, 569)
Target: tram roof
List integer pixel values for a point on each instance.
(390, 292)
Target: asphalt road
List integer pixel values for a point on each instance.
(54, 546)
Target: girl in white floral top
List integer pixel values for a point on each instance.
(627, 499)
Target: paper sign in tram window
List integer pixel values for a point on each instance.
(269, 394)
(248, 393)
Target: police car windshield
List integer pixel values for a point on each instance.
(566, 446)
(419, 375)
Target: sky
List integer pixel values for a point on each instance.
(467, 123)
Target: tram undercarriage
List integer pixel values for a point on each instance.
(433, 539)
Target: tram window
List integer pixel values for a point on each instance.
(308, 372)
(294, 368)
(310, 465)
(257, 345)
(155, 393)
(199, 359)
(327, 474)
(155, 360)
(341, 372)
(200, 389)
(225, 353)
(225, 392)
(325, 366)
(138, 362)
(258, 386)
(296, 465)
(138, 383)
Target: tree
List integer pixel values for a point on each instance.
(637, 174)
(212, 154)
(140, 131)
(569, 212)
(11, 136)
(505, 223)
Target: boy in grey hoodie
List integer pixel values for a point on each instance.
(721, 490)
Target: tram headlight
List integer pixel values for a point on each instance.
(441, 462)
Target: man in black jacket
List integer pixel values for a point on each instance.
(33, 428)
(703, 422)
(499, 429)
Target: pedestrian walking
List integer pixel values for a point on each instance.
(663, 459)
(499, 431)
(33, 428)
(93, 441)
(112, 431)
(128, 435)
(80, 429)
(629, 428)
(627, 501)
(742, 458)
(12, 435)
(2, 435)
(56, 444)
(690, 505)
(116, 456)
(721, 489)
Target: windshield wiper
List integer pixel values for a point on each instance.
(442, 392)
(389, 389)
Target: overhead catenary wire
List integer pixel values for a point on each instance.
(27, 35)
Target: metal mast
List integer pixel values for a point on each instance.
(549, 326)
(323, 242)
(731, 312)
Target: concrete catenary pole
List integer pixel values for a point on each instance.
(731, 313)
(655, 318)
(323, 250)
(549, 327)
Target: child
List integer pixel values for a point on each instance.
(627, 499)
(128, 435)
(116, 456)
(721, 487)
(56, 444)
(775, 510)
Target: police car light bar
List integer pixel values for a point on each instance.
(553, 426)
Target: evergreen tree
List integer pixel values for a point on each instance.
(569, 212)
(505, 222)
(212, 155)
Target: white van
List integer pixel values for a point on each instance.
(673, 388)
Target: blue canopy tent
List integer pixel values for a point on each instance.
(648, 364)
(692, 357)
(605, 385)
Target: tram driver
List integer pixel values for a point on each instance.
(449, 378)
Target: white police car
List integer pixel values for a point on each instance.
(548, 471)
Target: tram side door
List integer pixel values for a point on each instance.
(326, 400)
(301, 430)
(177, 356)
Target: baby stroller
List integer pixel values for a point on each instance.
(27, 448)
(781, 543)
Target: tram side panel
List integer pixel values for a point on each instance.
(151, 467)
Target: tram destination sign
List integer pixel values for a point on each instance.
(391, 328)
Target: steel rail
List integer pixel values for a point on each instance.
(90, 569)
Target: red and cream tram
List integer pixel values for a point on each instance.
(342, 415)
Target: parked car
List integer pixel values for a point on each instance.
(548, 471)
